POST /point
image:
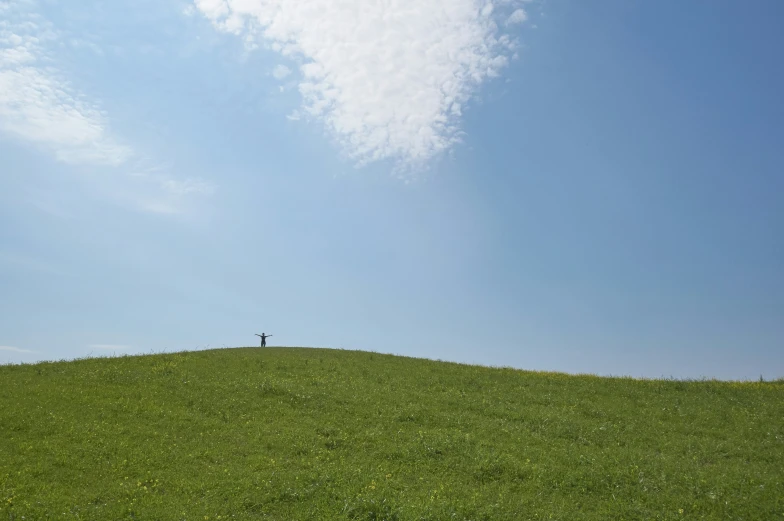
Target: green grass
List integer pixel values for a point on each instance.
(298, 434)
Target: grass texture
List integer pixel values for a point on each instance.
(300, 434)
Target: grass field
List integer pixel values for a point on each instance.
(299, 434)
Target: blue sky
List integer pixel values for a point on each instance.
(590, 187)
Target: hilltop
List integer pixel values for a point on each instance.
(294, 433)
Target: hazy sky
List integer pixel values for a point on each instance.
(547, 184)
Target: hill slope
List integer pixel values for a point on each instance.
(321, 434)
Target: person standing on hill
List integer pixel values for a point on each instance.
(264, 337)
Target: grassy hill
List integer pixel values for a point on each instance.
(298, 434)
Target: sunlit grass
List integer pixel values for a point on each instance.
(297, 434)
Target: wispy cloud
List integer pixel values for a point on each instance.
(280, 72)
(108, 347)
(389, 78)
(165, 194)
(40, 106)
(187, 186)
(15, 349)
(517, 17)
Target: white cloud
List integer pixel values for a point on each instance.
(388, 78)
(280, 72)
(188, 186)
(108, 347)
(164, 194)
(39, 106)
(518, 17)
(15, 349)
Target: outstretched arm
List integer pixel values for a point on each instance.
(269, 336)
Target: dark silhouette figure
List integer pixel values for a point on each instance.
(264, 338)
